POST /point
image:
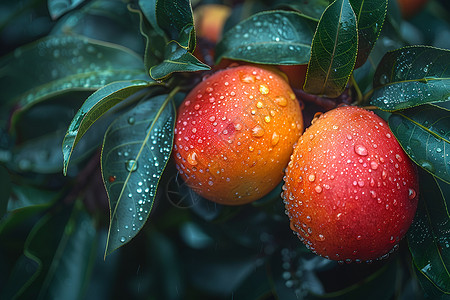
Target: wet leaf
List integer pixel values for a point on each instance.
(272, 37)
(423, 133)
(312, 9)
(177, 59)
(135, 152)
(57, 64)
(411, 76)
(59, 7)
(370, 16)
(175, 18)
(333, 51)
(93, 108)
(428, 237)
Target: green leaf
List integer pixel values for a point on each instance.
(93, 108)
(59, 7)
(135, 152)
(177, 59)
(370, 16)
(5, 188)
(271, 37)
(62, 244)
(423, 133)
(23, 271)
(311, 9)
(333, 51)
(411, 76)
(175, 18)
(154, 36)
(57, 64)
(428, 237)
(24, 196)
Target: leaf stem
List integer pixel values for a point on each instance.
(359, 95)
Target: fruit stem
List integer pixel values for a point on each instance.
(359, 95)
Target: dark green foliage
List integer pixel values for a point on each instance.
(89, 91)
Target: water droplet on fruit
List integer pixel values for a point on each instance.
(321, 237)
(192, 158)
(398, 157)
(374, 165)
(411, 194)
(275, 139)
(197, 106)
(360, 150)
(237, 126)
(257, 131)
(212, 118)
(187, 103)
(280, 100)
(318, 189)
(259, 104)
(263, 89)
(373, 194)
(312, 177)
(384, 174)
(267, 119)
(131, 165)
(247, 78)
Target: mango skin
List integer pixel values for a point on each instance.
(235, 132)
(350, 190)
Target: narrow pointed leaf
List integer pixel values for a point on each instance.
(59, 7)
(370, 16)
(135, 152)
(423, 133)
(93, 108)
(428, 237)
(411, 76)
(57, 64)
(177, 59)
(272, 37)
(61, 243)
(333, 51)
(175, 18)
(5, 188)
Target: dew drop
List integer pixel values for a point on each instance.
(411, 194)
(123, 239)
(374, 165)
(248, 78)
(318, 189)
(197, 106)
(257, 131)
(267, 119)
(280, 100)
(131, 120)
(131, 165)
(312, 177)
(275, 139)
(212, 118)
(259, 104)
(263, 89)
(321, 237)
(192, 158)
(360, 150)
(251, 149)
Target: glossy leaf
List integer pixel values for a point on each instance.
(311, 9)
(61, 243)
(423, 132)
(59, 7)
(370, 16)
(411, 76)
(333, 51)
(177, 59)
(57, 64)
(29, 196)
(175, 18)
(93, 108)
(5, 188)
(428, 237)
(272, 37)
(154, 36)
(135, 151)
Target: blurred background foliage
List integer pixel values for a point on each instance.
(54, 228)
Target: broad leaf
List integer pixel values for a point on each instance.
(175, 18)
(428, 237)
(311, 9)
(272, 37)
(62, 244)
(154, 36)
(93, 108)
(177, 59)
(333, 51)
(411, 76)
(423, 132)
(135, 151)
(57, 64)
(370, 16)
(59, 7)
